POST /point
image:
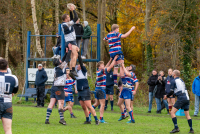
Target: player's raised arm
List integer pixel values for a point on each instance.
(108, 64)
(128, 33)
(112, 64)
(126, 71)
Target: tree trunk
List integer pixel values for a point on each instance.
(24, 34)
(57, 13)
(83, 6)
(7, 42)
(38, 45)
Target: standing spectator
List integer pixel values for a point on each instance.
(57, 48)
(160, 82)
(151, 82)
(196, 91)
(86, 37)
(40, 79)
(79, 32)
(171, 99)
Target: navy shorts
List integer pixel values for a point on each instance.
(6, 110)
(173, 96)
(125, 94)
(120, 57)
(84, 95)
(100, 94)
(58, 93)
(109, 90)
(183, 104)
(71, 42)
(69, 98)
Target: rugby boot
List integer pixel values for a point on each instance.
(191, 131)
(47, 122)
(102, 121)
(87, 122)
(175, 130)
(62, 122)
(121, 118)
(131, 121)
(97, 122)
(73, 75)
(73, 116)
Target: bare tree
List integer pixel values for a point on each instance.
(83, 5)
(38, 45)
(57, 13)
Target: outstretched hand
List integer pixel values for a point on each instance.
(116, 57)
(165, 97)
(132, 28)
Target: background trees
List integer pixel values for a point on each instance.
(166, 35)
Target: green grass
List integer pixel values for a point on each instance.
(30, 120)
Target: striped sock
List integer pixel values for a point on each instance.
(89, 113)
(60, 111)
(115, 78)
(122, 114)
(131, 115)
(101, 118)
(170, 109)
(49, 110)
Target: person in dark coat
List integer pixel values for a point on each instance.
(79, 32)
(159, 94)
(151, 82)
(40, 79)
(171, 99)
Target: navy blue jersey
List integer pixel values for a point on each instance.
(168, 83)
(8, 85)
(109, 78)
(179, 88)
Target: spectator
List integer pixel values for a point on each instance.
(86, 37)
(171, 99)
(196, 91)
(40, 79)
(160, 82)
(151, 82)
(79, 32)
(57, 49)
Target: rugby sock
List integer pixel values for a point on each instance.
(49, 110)
(111, 103)
(87, 119)
(123, 114)
(170, 109)
(60, 111)
(190, 123)
(71, 114)
(93, 106)
(106, 104)
(89, 113)
(131, 115)
(115, 78)
(101, 118)
(175, 122)
(68, 56)
(95, 117)
(125, 110)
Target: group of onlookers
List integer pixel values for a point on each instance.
(83, 34)
(159, 85)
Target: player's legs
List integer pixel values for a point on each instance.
(174, 119)
(115, 72)
(52, 102)
(120, 104)
(106, 102)
(7, 123)
(84, 107)
(131, 105)
(96, 103)
(111, 102)
(127, 103)
(60, 104)
(102, 103)
(92, 111)
(187, 115)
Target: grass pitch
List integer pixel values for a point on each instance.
(30, 120)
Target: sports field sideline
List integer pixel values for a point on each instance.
(30, 120)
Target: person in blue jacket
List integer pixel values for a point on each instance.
(196, 91)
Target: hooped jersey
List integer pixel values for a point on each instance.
(131, 80)
(114, 41)
(101, 79)
(69, 86)
(8, 85)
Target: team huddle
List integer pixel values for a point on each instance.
(71, 75)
